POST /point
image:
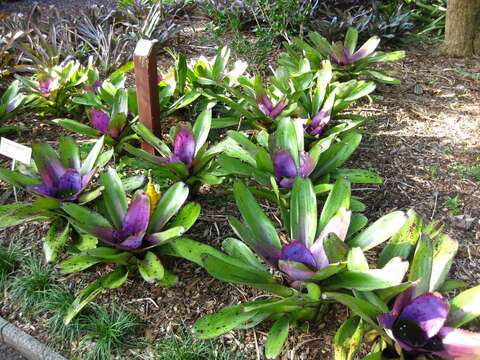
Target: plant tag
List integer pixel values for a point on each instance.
(15, 151)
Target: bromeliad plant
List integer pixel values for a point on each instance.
(421, 321)
(323, 101)
(349, 62)
(317, 254)
(428, 324)
(59, 177)
(107, 106)
(282, 156)
(130, 232)
(189, 160)
(303, 94)
(10, 103)
(53, 88)
(54, 179)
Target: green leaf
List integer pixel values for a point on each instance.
(238, 167)
(150, 138)
(403, 242)
(380, 231)
(452, 284)
(356, 260)
(221, 61)
(286, 139)
(150, 268)
(189, 250)
(362, 308)
(356, 205)
(336, 155)
(160, 238)
(338, 198)
(219, 323)
(201, 128)
(169, 204)
(421, 268)
(55, 240)
(109, 281)
(348, 339)
(16, 214)
(335, 248)
(329, 271)
(444, 251)
(351, 39)
(303, 212)
(134, 182)
(78, 263)
(392, 292)
(390, 275)
(84, 217)
(18, 179)
(78, 127)
(187, 216)
(358, 176)
(276, 338)
(69, 154)
(229, 269)
(91, 160)
(373, 298)
(260, 225)
(374, 356)
(242, 252)
(382, 77)
(114, 197)
(464, 307)
(357, 223)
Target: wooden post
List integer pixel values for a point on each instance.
(146, 79)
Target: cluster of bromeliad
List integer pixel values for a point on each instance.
(292, 138)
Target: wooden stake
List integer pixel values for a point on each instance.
(146, 79)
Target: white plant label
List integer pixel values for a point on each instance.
(15, 151)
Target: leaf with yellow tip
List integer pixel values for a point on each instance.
(153, 195)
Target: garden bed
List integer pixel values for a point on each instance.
(422, 137)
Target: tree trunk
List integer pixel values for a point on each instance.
(462, 31)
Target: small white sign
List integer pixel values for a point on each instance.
(15, 150)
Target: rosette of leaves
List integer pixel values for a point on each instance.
(323, 101)
(275, 160)
(318, 253)
(348, 61)
(11, 102)
(53, 88)
(55, 179)
(107, 104)
(129, 232)
(414, 319)
(302, 93)
(189, 159)
(219, 81)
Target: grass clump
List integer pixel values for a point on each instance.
(56, 302)
(184, 346)
(9, 260)
(29, 289)
(468, 171)
(109, 331)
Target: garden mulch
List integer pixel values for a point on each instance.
(419, 137)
